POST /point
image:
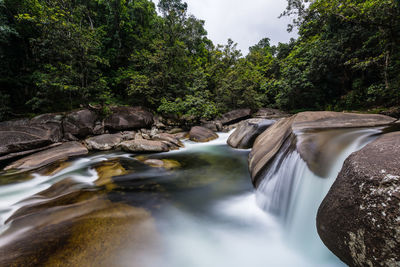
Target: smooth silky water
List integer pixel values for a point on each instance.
(206, 212)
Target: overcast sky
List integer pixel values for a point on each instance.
(245, 22)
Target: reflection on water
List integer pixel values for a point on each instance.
(114, 210)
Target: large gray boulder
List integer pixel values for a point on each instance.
(235, 116)
(201, 134)
(23, 135)
(247, 132)
(128, 118)
(49, 156)
(144, 145)
(80, 123)
(309, 145)
(104, 142)
(359, 219)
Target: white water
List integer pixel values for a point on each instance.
(195, 146)
(292, 192)
(12, 196)
(234, 231)
(243, 235)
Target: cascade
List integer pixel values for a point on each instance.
(292, 192)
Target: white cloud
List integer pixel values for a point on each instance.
(245, 22)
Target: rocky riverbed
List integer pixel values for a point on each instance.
(33, 143)
(362, 201)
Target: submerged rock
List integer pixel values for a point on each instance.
(235, 116)
(107, 170)
(157, 163)
(201, 134)
(170, 164)
(49, 156)
(310, 149)
(104, 142)
(162, 163)
(247, 132)
(128, 118)
(70, 226)
(359, 219)
(144, 145)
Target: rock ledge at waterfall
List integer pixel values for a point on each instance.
(359, 219)
(310, 149)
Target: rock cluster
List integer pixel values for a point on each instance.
(52, 137)
(132, 129)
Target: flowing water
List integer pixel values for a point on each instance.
(111, 209)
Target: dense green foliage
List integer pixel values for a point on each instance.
(59, 55)
(347, 55)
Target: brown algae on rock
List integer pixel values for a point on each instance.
(106, 171)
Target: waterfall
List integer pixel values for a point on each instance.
(292, 192)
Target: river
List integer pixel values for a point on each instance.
(201, 211)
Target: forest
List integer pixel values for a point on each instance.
(60, 55)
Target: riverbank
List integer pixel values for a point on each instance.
(33, 143)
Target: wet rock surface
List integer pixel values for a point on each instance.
(201, 134)
(144, 145)
(104, 142)
(247, 132)
(128, 118)
(359, 219)
(49, 156)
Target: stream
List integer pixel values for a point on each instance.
(201, 211)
